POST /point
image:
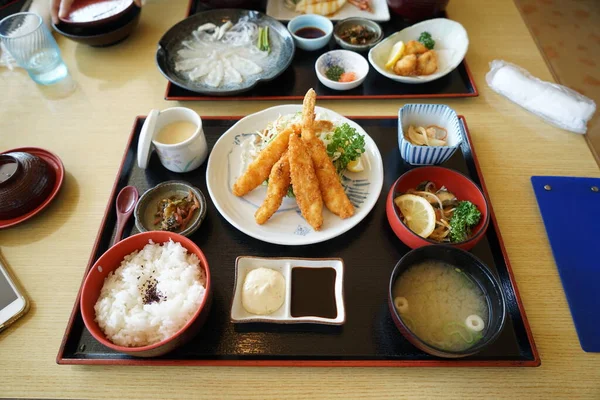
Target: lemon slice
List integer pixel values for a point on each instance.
(418, 213)
(396, 54)
(356, 165)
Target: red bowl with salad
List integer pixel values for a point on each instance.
(437, 205)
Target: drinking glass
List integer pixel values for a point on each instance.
(27, 39)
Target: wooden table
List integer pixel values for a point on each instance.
(89, 129)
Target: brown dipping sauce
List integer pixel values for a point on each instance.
(309, 32)
(313, 292)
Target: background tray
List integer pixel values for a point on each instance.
(370, 250)
(300, 76)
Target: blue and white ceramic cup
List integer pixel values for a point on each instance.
(425, 115)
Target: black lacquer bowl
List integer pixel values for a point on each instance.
(25, 182)
(477, 271)
(106, 34)
(281, 41)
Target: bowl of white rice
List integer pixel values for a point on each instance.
(148, 294)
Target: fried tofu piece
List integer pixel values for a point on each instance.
(406, 66)
(427, 63)
(415, 47)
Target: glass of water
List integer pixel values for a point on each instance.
(28, 40)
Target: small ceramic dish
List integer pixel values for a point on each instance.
(31, 179)
(458, 184)
(86, 13)
(349, 61)
(283, 315)
(145, 209)
(348, 23)
(311, 21)
(424, 115)
(110, 261)
(477, 271)
(451, 44)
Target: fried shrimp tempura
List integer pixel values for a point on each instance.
(305, 183)
(308, 114)
(333, 193)
(427, 63)
(260, 168)
(279, 182)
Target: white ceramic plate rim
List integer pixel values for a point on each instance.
(420, 79)
(278, 10)
(258, 121)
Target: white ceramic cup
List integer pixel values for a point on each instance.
(179, 157)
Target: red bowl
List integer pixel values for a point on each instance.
(455, 182)
(110, 261)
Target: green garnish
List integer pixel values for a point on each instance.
(346, 144)
(290, 192)
(464, 217)
(334, 73)
(427, 40)
(263, 39)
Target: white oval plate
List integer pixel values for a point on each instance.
(286, 226)
(451, 44)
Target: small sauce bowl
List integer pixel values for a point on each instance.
(311, 21)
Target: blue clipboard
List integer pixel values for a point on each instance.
(570, 208)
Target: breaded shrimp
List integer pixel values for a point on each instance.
(414, 47)
(427, 63)
(406, 66)
(305, 183)
(260, 168)
(333, 193)
(279, 182)
(308, 114)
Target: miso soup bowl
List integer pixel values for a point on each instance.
(110, 261)
(479, 273)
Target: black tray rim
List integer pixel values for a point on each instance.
(61, 359)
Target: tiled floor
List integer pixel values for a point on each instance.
(568, 33)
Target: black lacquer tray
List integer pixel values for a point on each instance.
(370, 250)
(300, 76)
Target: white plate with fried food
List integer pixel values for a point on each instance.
(335, 10)
(416, 63)
(308, 197)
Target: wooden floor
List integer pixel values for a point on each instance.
(568, 33)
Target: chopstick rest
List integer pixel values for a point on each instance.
(556, 104)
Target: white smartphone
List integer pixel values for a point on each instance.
(13, 304)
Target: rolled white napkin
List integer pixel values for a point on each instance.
(556, 104)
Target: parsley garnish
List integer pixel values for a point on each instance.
(345, 144)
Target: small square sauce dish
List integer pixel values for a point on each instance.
(439, 116)
(290, 290)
